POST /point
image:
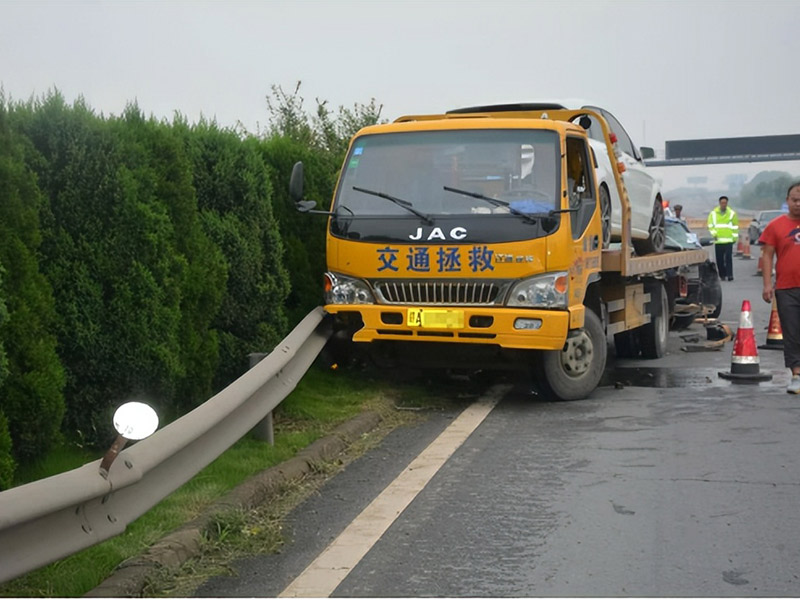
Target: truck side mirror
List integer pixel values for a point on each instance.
(296, 182)
(296, 189)
(647, 152)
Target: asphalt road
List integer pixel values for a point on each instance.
(678, 484)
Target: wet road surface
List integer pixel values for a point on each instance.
(674, 482)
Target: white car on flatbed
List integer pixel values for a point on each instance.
(644, 191)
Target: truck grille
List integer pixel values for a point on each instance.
(465, 293)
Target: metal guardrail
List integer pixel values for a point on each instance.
(50, 519)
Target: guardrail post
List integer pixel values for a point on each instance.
(264, 430)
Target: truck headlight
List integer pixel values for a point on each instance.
(543, 291)
(340, 289)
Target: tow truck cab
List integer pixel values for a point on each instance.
(477, 240)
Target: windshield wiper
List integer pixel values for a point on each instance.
(403, 203)
(527, 216)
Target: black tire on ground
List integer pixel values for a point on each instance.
(653, 335)
(575, 371)
(717, 311)
(711, 288)
(682, 322)
(657, 234)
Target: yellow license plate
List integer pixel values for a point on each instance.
(435, 318)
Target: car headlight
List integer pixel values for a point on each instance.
(340, 289)
(543, 291)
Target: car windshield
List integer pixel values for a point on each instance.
(679, 237)
(767, 215)
(510, 172)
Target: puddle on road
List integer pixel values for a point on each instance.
(656, 377)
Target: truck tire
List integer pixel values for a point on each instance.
(653, 335)
(575, 371)
(656, 233)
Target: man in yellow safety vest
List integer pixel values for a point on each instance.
(723, 224)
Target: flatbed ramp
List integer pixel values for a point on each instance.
(617, 261)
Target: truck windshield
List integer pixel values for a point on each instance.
(520, 168)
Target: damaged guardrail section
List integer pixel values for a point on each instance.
(50, 519)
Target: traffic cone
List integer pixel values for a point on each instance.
(744, 360)
(758, 269)
(739, 246)
(746, 247)
(774, 331)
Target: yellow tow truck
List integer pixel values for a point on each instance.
(475, 240)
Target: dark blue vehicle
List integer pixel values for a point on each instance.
(704, 294)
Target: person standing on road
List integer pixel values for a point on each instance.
(781, 238)
(723, 224)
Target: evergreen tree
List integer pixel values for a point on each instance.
(320, 142)
(112, 255)
(7, 462)
(31, 375)
(192, 268)
(234, 198)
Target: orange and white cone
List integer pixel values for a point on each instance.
(739, 246)
(774, 331)
(744, 360)
(746, 247)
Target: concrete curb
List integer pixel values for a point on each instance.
(129, 578)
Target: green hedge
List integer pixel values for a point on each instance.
(146, 259)
(235, 202)
(7, 462)
(31, 375)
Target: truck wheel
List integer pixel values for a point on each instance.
(605, 215)
(575, 371)
(653, 335)
(656, 233)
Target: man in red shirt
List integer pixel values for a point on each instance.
(781, 238)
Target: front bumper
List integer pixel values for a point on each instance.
(480, 325)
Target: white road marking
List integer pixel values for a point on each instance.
(329, 569)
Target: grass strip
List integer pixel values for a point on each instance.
(322, 400)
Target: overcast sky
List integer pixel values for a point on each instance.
(667, 69)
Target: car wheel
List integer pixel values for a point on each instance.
(605, 215)
(656, 233)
